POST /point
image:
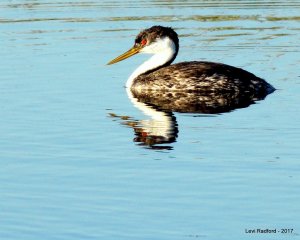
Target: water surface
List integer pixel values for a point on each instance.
(71, 165)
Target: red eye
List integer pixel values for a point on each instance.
(143, 42)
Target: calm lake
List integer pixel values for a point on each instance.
(75, 159)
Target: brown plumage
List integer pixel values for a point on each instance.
(202, 77)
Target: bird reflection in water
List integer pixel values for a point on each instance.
(161, 129)
(157, 132)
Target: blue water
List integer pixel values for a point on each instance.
(70, 168)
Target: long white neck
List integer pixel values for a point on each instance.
(163, 49)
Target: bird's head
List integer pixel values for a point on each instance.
(152, 40)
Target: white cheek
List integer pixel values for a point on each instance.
(153, 48)
(159, 45)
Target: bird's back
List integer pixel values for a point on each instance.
(201, 77)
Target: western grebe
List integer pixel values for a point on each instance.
(157, 74)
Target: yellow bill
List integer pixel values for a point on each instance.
(132, 51)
